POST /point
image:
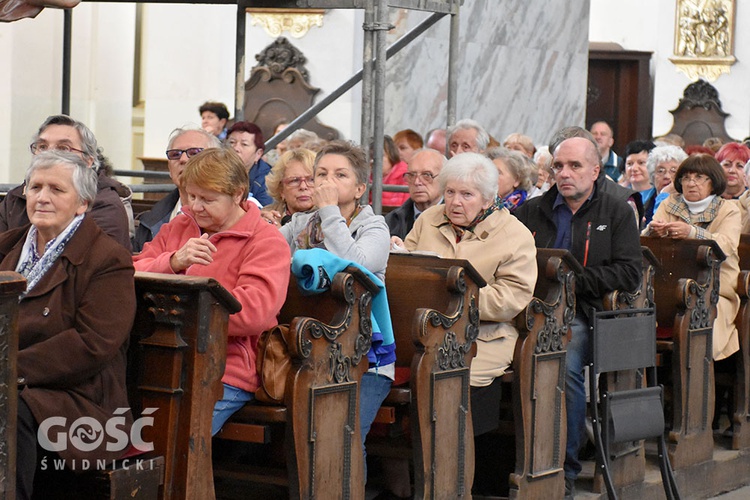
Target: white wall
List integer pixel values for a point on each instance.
(187, 58)
(648, 25)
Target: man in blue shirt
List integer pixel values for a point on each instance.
(599, 229)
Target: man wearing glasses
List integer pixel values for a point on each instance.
(424, 191)
(63, 133)
(184, 143)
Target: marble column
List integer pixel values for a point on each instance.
(523, 68)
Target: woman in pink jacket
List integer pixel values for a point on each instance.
(222, 236)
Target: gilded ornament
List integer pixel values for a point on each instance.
(704, 38)
(296, 22)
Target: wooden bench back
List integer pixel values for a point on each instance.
(317, 425)
(434, 305)
(741, 420)
(11, 286)
(539, 377)
(696, 262)
(175, 364)
(329, 337)
(686, 291)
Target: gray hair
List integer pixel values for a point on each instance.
(302, 135)
(213, 141)
(84, 178)
(566, 133)
(516, 163)
(663, 154)
(746, 170)
(88, 140)
(472, 168)
(483, 138)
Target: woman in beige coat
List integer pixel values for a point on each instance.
(697, 211)
(472, 225)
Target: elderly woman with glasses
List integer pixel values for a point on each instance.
(290, 184)
(71, 352)
(697, 211)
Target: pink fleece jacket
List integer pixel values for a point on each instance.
(252, 262)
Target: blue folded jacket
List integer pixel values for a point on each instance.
(314, 270)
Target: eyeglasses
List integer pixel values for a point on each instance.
(698, 180)
(41, 147)
(295, 182)
(176, 154)
(662, 171)
(426, 177)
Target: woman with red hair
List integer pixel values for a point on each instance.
(732, 156)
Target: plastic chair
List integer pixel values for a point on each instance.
(626, 340)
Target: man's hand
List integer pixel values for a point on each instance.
(195, 251)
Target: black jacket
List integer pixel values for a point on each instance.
(401, 220)
(605, 241)
(150, 222)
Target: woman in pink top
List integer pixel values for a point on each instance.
(393, 173)
(222, 236)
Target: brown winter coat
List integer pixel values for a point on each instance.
(73, 331)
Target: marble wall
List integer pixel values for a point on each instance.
(522, 68)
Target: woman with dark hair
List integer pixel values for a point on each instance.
(639, 176)
(246, 139)
(697, 211)
(732, 157)
(393, 173)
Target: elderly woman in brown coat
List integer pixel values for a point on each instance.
(71, 348)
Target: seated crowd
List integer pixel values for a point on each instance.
(237, 218)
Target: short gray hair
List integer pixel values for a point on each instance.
(213, 141)
(483, 138)
(88, 140)
(474, 169)
(516, 163)
(84, 178)
(663, 154)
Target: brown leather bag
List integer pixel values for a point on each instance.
(273, 363)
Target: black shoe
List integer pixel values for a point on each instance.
(570, 488)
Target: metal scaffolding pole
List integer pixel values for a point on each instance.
(368, 59)
(453, 70)
(378, 114)
(239, 64)
(67, 34)
(313, 111)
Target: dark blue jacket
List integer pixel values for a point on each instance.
(258, 173)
